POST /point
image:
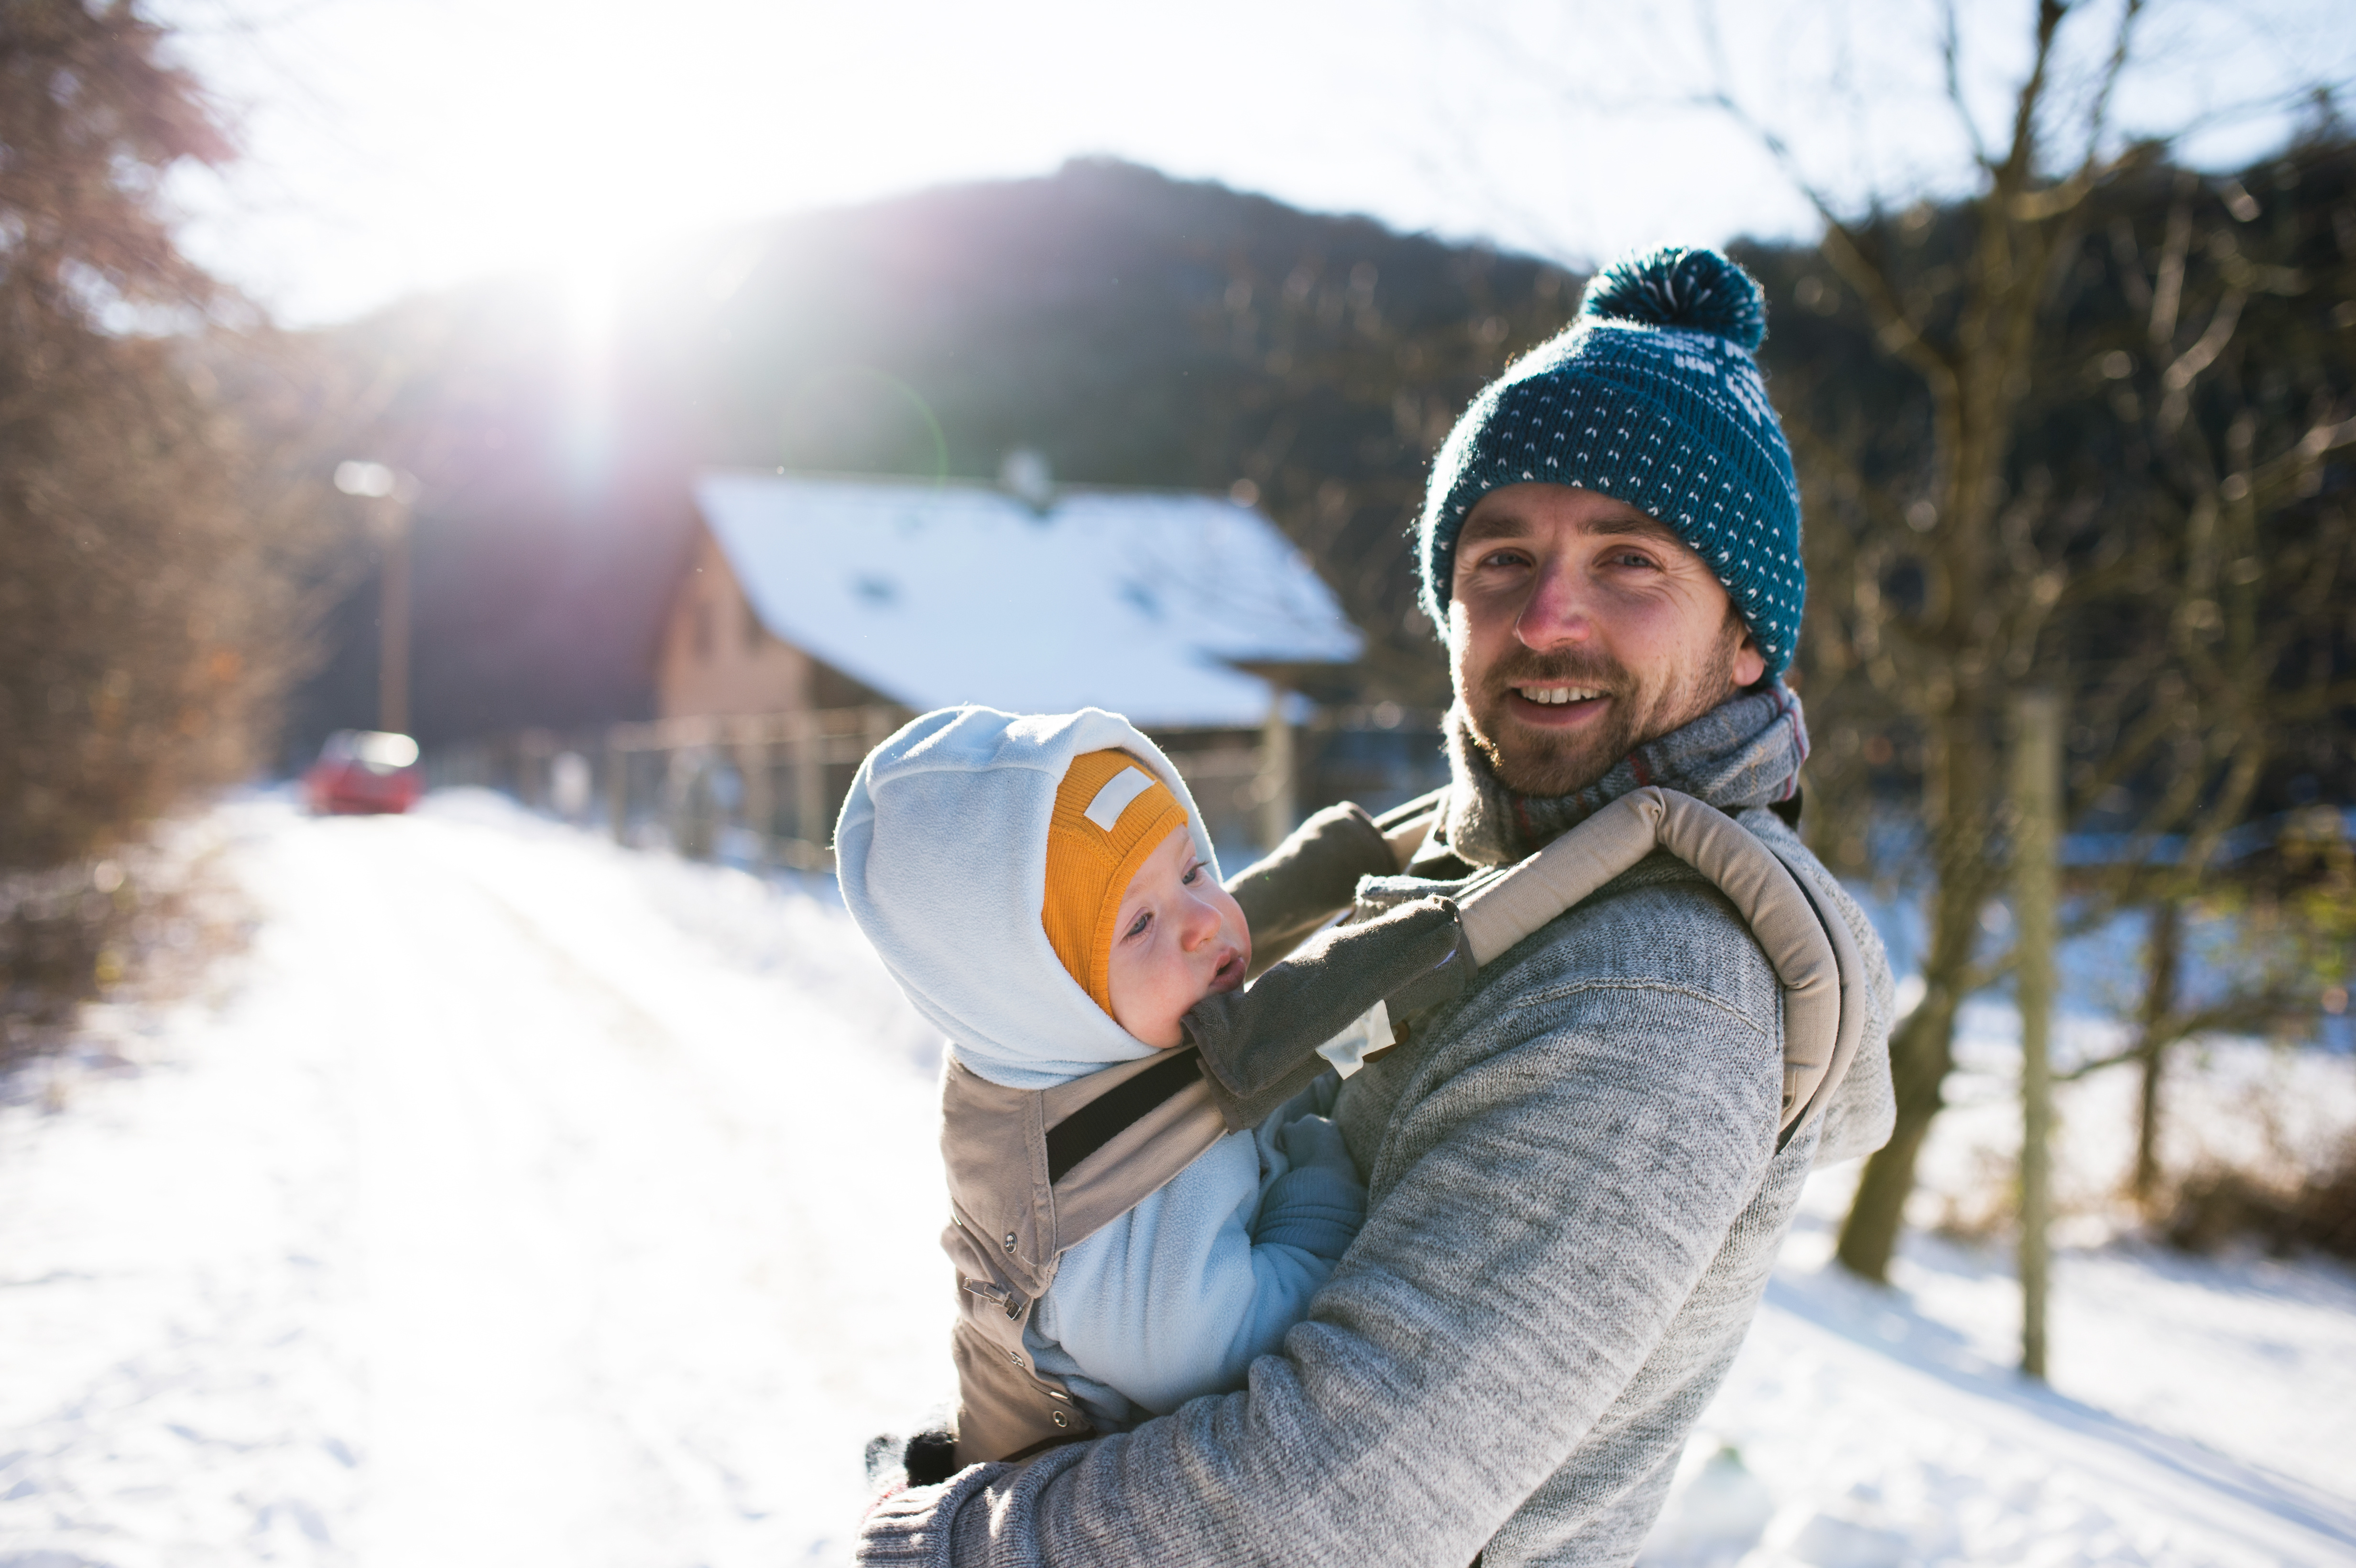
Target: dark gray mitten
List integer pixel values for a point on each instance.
(1307, 880)
(1260, 1046)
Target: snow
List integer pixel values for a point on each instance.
(2200, 1413)
(529, 1201)
(1132, 601)
(520, 1199)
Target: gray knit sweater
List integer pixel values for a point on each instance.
(1575, 1201)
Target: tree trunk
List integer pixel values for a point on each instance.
(1868, 1235)
(2158, 1002)
(1921, 1050)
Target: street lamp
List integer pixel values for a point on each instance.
(381, 482)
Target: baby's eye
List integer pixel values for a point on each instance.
(1192, 872)
(1144, 918)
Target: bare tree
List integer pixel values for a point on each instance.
(2239, 583)
(151, 545)
(1999, 559)
(1970, 336)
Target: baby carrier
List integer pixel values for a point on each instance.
(1032, 1173)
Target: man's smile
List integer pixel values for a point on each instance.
(1555, 705)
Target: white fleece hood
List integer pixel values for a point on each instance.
(942, 855)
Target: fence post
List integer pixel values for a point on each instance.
(532, 749)
(752, 765)
(1277, 806)
(682, 787)
(2036, 833)
(810, 781)
(618, 785)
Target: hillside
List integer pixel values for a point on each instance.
(1135, 329)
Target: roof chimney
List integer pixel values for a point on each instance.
(1026, 477)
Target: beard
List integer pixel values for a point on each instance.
(1546, 763)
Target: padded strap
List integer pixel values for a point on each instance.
(1135, 1149)
(1114, 1112)
(1784, 920)
(1408, 837)
(1854, 1006)
(1405, 827)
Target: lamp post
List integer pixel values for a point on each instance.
(381, 482)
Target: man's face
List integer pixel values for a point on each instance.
(1581, 628)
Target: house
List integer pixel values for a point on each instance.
(805, 594)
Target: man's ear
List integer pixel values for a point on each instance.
(1749, 664)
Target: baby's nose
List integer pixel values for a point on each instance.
(1200, 923)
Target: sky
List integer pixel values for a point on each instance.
(398, 146)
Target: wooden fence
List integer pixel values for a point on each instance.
(764, 790)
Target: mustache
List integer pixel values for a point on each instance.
(1527, 666)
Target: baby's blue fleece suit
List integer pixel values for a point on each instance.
(942, 856)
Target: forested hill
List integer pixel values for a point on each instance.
(1140, 330)
(1135, 329)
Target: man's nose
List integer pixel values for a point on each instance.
(1556, 612)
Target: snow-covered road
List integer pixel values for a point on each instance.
(523, 1199)
(529, 1202)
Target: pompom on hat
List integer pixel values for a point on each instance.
(1110, 816)
(1650, 397)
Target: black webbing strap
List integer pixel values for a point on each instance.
(1116, 1110)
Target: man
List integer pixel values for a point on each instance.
(1575, 1189)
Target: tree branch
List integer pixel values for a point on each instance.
(1950, 56)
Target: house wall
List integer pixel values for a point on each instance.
(716, 657)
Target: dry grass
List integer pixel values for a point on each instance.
(141, 927)
(2216, 1208)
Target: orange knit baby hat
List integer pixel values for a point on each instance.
(1111, 814)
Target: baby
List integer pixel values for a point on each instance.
(1042, 889)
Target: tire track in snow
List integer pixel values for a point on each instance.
(496, 1184)
(689, 1159)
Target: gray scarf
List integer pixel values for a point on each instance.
(1745, 751)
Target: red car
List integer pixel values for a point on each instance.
(364, 771)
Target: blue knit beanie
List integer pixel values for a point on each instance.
(1652, 398)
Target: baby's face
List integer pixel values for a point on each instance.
(1180, 938)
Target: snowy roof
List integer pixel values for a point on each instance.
(935, 594)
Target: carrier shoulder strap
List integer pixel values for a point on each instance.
(1811, 948)
(1814, 954)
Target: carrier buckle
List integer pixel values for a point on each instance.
(990, 1290)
